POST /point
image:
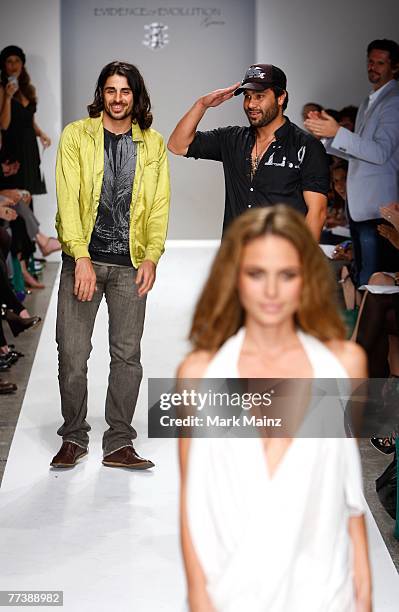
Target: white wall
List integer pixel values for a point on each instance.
(35, 26)
(207, 49)
(322, 46)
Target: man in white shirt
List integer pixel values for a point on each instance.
(373, 155)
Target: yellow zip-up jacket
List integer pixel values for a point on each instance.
(79, 177)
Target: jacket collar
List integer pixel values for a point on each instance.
(94, 124)
(388, 87)
(365, 112)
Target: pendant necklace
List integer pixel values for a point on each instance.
(256, 160)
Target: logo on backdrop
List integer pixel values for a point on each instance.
(156, 36)
(209, 16)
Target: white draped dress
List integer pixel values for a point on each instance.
(280, 543)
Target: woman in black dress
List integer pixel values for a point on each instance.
(18, 104)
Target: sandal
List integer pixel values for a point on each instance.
(384, 445)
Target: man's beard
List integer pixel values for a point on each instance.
(117, 116)
(373, 77)
(266, 117)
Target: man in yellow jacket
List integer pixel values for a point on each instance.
(113, 202)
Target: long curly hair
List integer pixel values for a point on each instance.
(219, 313)
(141, 100)
(24, 83)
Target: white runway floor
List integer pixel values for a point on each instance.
(107, 537)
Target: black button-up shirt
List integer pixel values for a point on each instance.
(294, 163)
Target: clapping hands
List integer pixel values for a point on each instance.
(322, 125)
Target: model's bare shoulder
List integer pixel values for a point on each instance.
(194, 365)
(351, 355)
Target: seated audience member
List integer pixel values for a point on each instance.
(310, 106)
(20, 199)
(377, 329)
(378, 333)
(333, 113)
(347, 117)
(22, 245)
(339, 172)
(25, 229)
(335, 211)
(14, 312)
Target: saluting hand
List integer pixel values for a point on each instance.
(217, 97)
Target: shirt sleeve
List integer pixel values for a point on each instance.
(157, 224)
(315, 172)
(333, 151)
(68, 221)
(206, 145)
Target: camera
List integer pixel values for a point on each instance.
(13, 79)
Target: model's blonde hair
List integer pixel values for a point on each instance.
(219, 313)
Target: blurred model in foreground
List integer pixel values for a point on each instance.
(272, 524)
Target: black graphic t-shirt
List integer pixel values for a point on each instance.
(294, 163)
(110, 238)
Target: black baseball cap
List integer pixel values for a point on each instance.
(262, 76)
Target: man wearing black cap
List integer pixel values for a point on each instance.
(271, 161)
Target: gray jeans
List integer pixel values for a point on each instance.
(75, 322)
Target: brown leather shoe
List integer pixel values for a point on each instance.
(128, 458)
(68, 455)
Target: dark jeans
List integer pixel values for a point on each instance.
(371, 252)
(75, 322)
